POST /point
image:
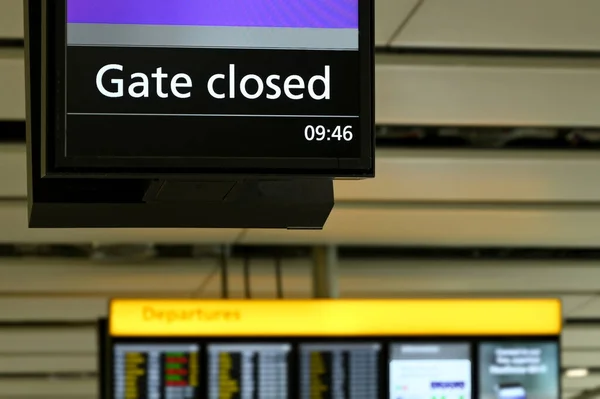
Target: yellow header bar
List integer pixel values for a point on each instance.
(238, 318)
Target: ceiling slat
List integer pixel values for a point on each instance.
(49, 363)
(428, 225)
(411, 176)
(504, 24)
(574, 280)
(13, 229)
(41, 308)
(19, 388)
(574, 384)
(472, 277)
(38, 277)
(582, 338)
(13, 170)
(48, 341)
(389, 14)
(11, 19)
(476, 91)
(589, 310)
(12, 82)
(581, 358)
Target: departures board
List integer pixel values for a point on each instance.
(463, 368)
(251, 352)
(159, 369)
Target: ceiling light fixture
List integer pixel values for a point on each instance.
(577, 373)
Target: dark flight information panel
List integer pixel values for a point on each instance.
(141, 85)
(339, 371)
(248, 371)
(156, 371)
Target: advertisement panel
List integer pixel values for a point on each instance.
(430, 371)
(518, 370)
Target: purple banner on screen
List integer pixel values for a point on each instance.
(332, 14)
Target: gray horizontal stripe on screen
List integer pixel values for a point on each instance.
(211, 37)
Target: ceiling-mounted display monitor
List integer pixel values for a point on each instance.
(519, 370)
(233, 86)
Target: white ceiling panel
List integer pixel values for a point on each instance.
(589, 310)
(580, 358)
(389, 15)
(35, 388)
(40, 340)
(408, 175)
(571, 304)
(446, 225)
(167, 278)
(34, 279)
(569, 393)
(439, 278)
(449, 90)
(12, 83)
(52, 308)
(575, 337)
(581, 307)
(504, 24)
(13, 170)
(49, 363)
(13, 229)
(11, 19)
(79, 277)
(590, 382)
(455, 175)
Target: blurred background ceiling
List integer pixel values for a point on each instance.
(488, 128)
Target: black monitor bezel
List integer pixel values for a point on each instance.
(104, 354)
(385, 341)
(54, 164)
